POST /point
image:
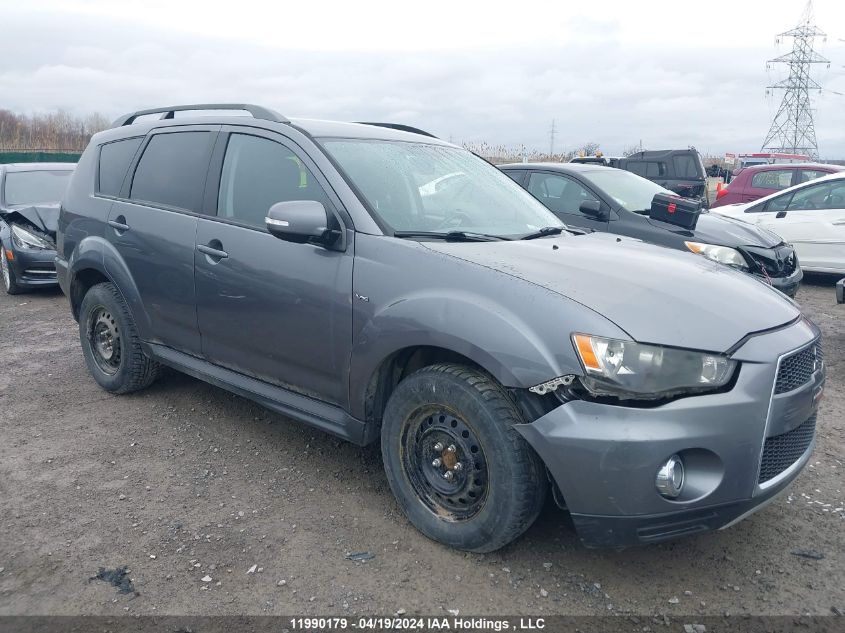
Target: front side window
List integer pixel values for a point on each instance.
(772, 179)
(172, 170)
(559, 193)
(434, 188)
(114, 162)
(828, 195)
(258, 173)
(810, 174)
(35, 187)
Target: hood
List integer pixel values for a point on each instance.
(44, 216)
(724, 231)
(657, 295)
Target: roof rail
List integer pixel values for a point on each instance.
(257, 112)
(399, 126)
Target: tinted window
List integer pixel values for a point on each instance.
(516, 175)
(685, 166)
(258, 173)
(559, 193)
(647, 169)
(114, 161)
(35, 187)
(772, 179)
(172, 170)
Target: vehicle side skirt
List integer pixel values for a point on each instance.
(321, 415)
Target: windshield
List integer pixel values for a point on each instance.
(432, 188)
(35, 187)
(630, 191)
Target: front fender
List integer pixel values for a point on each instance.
(406, 295)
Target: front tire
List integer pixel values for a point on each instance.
(461, 474)
(9, 283)
(111, 344)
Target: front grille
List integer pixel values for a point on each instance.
(781, 451)
(797, 369)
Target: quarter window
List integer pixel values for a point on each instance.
(258, 173)
(772, 179)
(114, 162)
(172, 170)
(559, 193)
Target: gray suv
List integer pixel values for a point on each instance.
(385, 286)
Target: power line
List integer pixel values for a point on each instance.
(793, 129)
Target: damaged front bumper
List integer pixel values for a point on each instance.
(604, 458)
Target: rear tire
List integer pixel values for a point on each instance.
(110, 342)
(9, 283)
(456, 419)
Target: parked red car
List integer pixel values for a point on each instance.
(751, 183)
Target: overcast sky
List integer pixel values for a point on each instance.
(669, 73)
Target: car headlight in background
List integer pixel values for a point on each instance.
(629, 370)
(721, 254)
(27, 240)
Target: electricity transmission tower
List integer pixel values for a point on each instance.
(793, 130)
(552, 134)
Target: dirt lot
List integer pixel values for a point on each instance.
(185, 482)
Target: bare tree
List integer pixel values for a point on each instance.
(55, 131)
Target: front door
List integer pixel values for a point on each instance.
(563, 196)
(814, 222)
(274, 310)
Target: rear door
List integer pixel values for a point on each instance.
(153, 224)
(563, 197)
(813, 220)
(273, 310)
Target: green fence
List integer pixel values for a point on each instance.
(39, 157)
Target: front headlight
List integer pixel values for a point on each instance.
(26, 240)
(721, 254)
(629, 370)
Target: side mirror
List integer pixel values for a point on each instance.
(299, 221)
(780, 214)
(592, 209)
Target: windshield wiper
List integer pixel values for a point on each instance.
(452, 236)
(546, 230)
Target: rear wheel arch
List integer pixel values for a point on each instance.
(83, 280)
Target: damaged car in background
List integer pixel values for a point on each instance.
(596, 198)
(29, 213)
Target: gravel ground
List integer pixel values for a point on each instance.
(217, 506)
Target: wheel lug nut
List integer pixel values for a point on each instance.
(458, 466)
(448, 475)
(451, 448)
(438, 446)
(436, 463)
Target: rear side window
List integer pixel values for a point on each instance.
(647, 169)
(114, 162)
(810, 174)
(685, 166)
(258, 173)
(172, 170)
(772, 179)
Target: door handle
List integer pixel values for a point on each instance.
(214, 253)
(119, 224)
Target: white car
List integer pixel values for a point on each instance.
(811, 216)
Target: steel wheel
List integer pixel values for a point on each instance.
(444, 462)
(104, 339)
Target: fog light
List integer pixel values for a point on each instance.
(670, 477)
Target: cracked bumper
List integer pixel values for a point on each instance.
(604, 458)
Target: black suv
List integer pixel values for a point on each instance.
(384, 285)
(679, 170)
